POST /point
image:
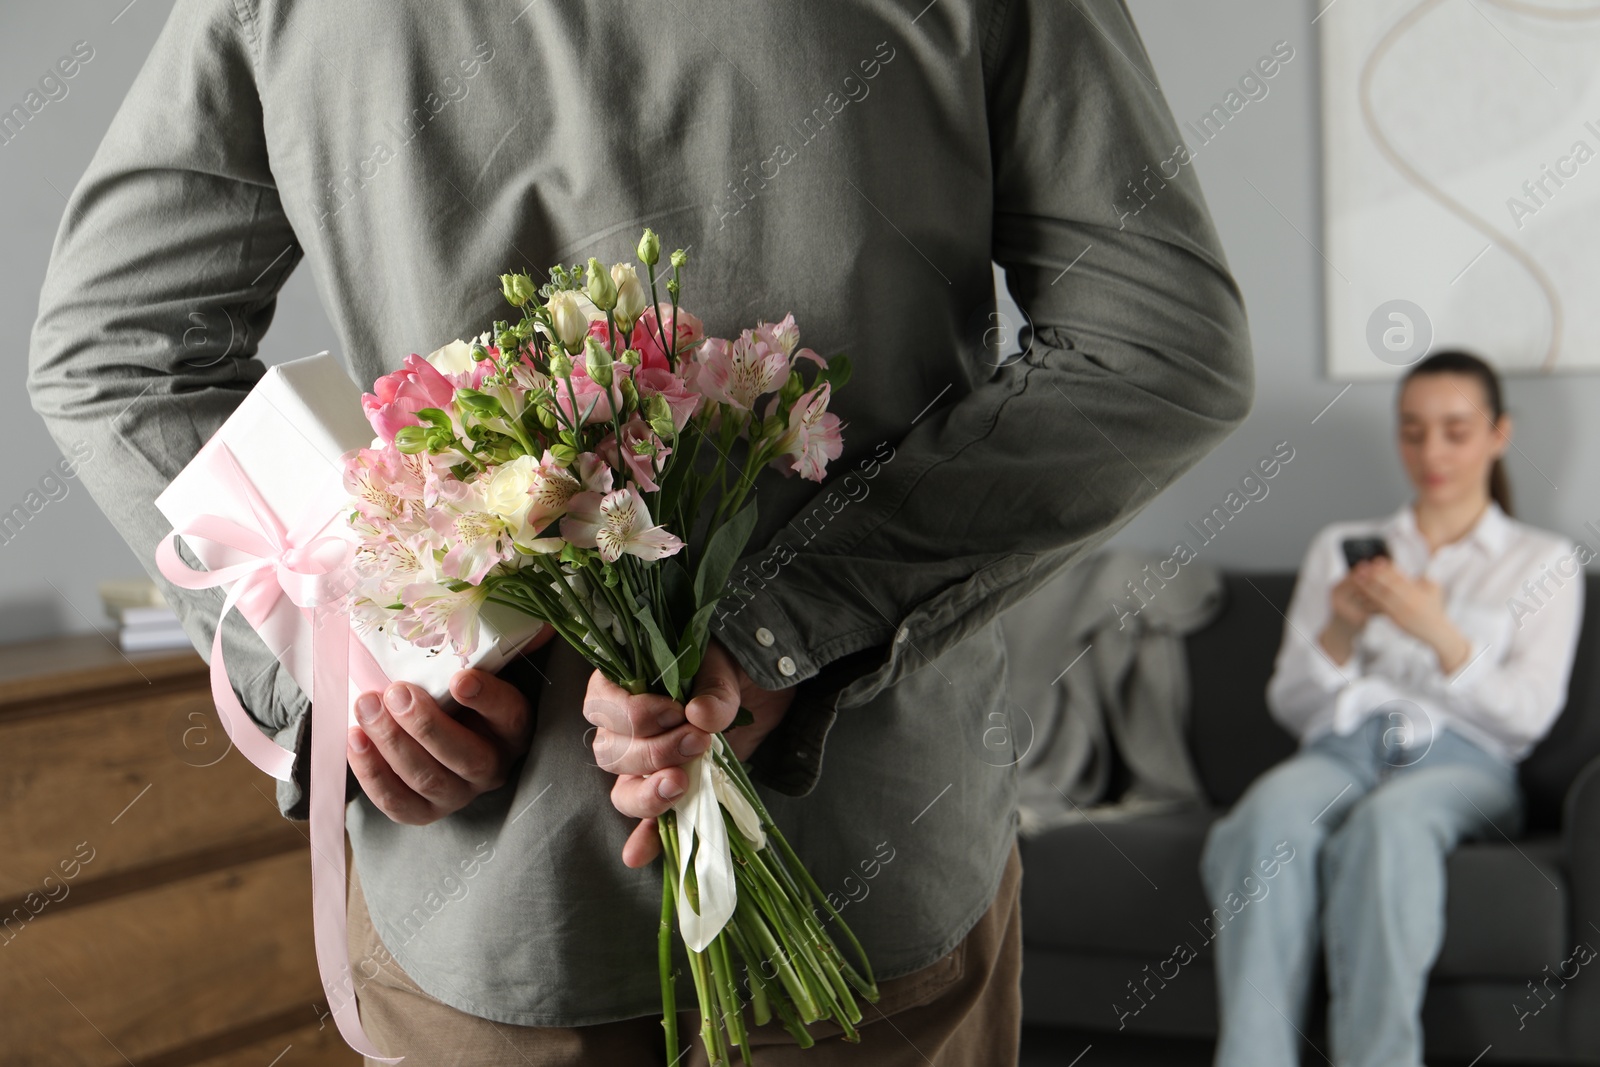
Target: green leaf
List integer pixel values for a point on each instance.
(666, 663)
(837, 372)
(692, 647)
(722, 552)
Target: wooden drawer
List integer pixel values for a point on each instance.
(154, 906)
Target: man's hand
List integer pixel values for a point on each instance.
(418, 764)
(1416, 605)
(646, 739)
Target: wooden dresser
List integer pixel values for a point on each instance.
(155, 909)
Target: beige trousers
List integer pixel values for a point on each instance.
(965, 1010)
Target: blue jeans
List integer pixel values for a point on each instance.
(1370, 824)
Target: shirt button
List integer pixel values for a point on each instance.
(786, 666)
(904, 633)
(764, 635)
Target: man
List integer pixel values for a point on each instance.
(858, 164)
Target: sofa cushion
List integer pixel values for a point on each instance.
(1232, 737)
(1132, 886)
(1505, 910)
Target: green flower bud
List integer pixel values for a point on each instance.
(649, 248)
(517, 288)
(546, 416)
(631, 357)
(564, 454)
(679, 258)
(480, 404)
(658, 413)
(630, 394)
(560, 365)
(411, 439)
(793, 386)
(598, 362)
(602, 290)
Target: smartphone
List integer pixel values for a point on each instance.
(1357, 549)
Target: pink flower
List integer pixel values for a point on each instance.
(643, 452)
(739, 373)
(475, 537)
(434, 614)
(782, 335)
(377, 480)
(647, 335)
(813, 436)
(681, 399)
(397, 397)
(617, 523)
(589, 401)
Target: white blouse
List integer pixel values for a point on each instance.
(1515, 591)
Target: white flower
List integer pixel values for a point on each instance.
(508, 492)
(453, 358)
(630, 295)
(615, 523)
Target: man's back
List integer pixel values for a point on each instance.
(858, 164)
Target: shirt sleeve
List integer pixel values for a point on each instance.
(1513, 690)
(1140, 365)
(164, 274)
(1303, 693)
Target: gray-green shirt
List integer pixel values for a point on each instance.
(856, 163)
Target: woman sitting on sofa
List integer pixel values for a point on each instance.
(1415, 680)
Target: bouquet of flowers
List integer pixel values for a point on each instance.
(553, 465)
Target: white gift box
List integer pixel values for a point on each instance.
(287, 436)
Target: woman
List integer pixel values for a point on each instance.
(1416, 681)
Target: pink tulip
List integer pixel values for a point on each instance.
(397, 397)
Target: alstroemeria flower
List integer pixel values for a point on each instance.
(617, 523)
(739, 373)
(782, 335)
(382, 486)
(476, 537)
(397, 397)
(434, 614)
(642, 451)
(813, 436)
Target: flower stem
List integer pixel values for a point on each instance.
(669, 980)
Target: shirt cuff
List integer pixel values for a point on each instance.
(1469, 666)
(1326, 674)
(766, 644)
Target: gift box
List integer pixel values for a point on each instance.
(286, 437)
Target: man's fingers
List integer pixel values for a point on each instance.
(716, 691)
(622, 754)
(643, 845)
(646, 796)
(502, 706)
(383, 787)
(613, 708)
(431, 752)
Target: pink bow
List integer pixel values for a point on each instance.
(313, 573)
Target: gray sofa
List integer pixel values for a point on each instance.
(1114, 915)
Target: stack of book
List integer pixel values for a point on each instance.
(144, 620)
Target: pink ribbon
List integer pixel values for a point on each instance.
(312, 572)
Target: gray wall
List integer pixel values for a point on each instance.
(1260, 177)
